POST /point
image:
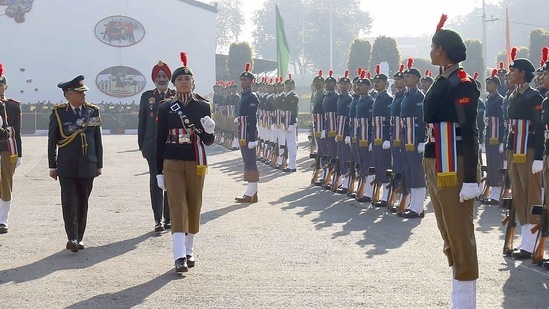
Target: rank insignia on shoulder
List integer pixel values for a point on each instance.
(463, 76)
(175, 107)
(464, 100)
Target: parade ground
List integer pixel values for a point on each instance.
(298, 247)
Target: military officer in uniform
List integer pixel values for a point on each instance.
(426, 81)
(524, 150)
(184, 128)
(343, 138)
(494, 138)
(451, 160)
(10, 149)
(396, 134)
(247, 130)
(329, 106)
(381, 113)
(290, 108)
(146, 135)
(75, 155)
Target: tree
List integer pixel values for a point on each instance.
(359, 55)
(538, 39)
(307, 26)
(522, 52)
(385, 49)
(239, 54)
(229, 21)
(474, 61)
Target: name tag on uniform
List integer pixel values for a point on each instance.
(184, 138)
(175, 107)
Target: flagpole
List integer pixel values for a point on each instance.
(331, 42)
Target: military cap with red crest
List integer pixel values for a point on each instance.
(522, 64)
(400, 72)
(319, 77)
(331, 78)
(544, 58)
(411, 70)
(161, 66)
(183, 70)
(427, 76)
(289, 81)
(3, 78)
(501, 69)
(450, 41)
(357, 77)
(494, 77)
(379, 75)
(345, 78)
(247, 73)
(363, 79)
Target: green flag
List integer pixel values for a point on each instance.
(282, 49)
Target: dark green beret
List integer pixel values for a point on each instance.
(181, 71)
(381, 77)
(344, 80)
(452, 43)
(413, 71)
(427, 78)
(364, 81)
(523, 64)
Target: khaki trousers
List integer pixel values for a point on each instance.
(455, 223)
(526, 187)
(184, 188)
(6, 175)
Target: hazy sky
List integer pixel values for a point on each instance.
(390, 15)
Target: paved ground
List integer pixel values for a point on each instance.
(299, 247)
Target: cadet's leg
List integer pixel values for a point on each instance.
(83, 187)
(155, 192)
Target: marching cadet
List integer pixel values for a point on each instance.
(343, 138)
(184, 128)
(329, 105)
(318, 129)
(290, 108)
(146, 135)
(411, 113)
(279, 127)
(524, 150)
(363, 135)
(247, 121)
(352, 125)
(75, 155)
(541, 71)
(396, 134)
(10, 148)
(381, 112)
(451, 160)
(426, 81)
(494, 138)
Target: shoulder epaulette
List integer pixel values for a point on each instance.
(92, 105)
(531, 93)
(197, 97)
(60, 105)
(463, 76)
(13, 100)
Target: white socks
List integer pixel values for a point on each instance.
(4, 211)
(178, 240)
(385, 192)
(464, 294)
(251, 189)
(496, 192)
(369, 191)
(189, 244)
(528, 240)
(417, 198)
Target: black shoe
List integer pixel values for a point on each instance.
(351, 194)
(489, 201)
(289, 170)
(408, 214)
(181, 265)
(319, 183)
(158, 227)
(380, 204)
(190, 261)
(394, 210)
(72, 245)
(546, 264)
(509, 252)
(342, 190)
(167, 225)
(522, 255)
(364, 199)
(3, 229)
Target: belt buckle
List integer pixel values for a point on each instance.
(184, 139)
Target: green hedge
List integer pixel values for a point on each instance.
(40, 121)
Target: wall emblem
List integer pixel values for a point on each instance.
(120, 81)
(119, 31)
(17, 9)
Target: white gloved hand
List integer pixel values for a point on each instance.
(323, 134)
(537, 166)
(370, 147)
(386, 145)
(348, 140)
(501, 148)
(19, 161)
(1, 121)
(482, 148)
(235, 120)
(160, 181)
(208, 124)
(505, 164)
(252, 145)
(468, 191)
(421, 148)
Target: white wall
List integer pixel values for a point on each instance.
(56, 42)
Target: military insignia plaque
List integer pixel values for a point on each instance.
(119, 31)
(120, 81)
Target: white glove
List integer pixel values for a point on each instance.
(537, 166)
(1, 121)
(386, 145)
(501, 148)
(235, 120)
(208, 124)
(160, 181)
(19, 161)
(468, 191)
(421, 148)
(370, 147)
(348, 140)
(323, 134)
(482, 148)
(505, 164)
(252, 145)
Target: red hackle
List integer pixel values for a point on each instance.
(320, 73)
(401, 69)
(359, 71)
(410, 63)
(346, 73)
(545, 54)
(1, 69)
(362, 74)
(501, 64)
(247, 67)
(330, 73)
(494, 72)
(289, 76)
(183, 56)
(378, 69)
(513, 53)
(462, 74)
(369, 75)
(443, 19)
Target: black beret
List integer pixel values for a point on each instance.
(183, 70)
(450, 41)
(427, 78)
(247, 72)
(523, 64)
(413, 71)
(75, 84)
(381, 77)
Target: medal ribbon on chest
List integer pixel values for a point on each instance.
(446, 153)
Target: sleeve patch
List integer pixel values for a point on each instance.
(464, 100)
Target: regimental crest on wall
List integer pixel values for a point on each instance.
(120, 81)
(17, 9)
(119, 31)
